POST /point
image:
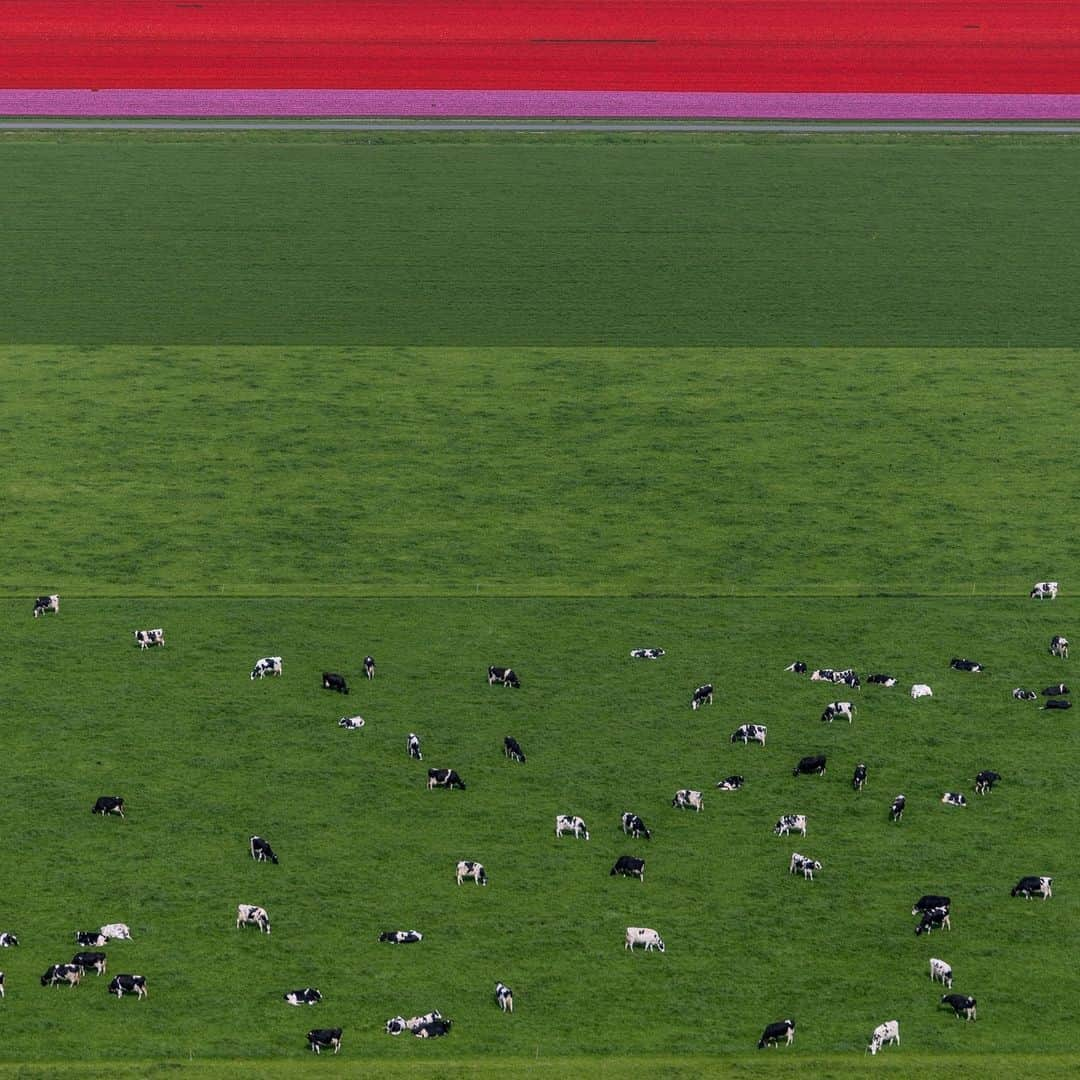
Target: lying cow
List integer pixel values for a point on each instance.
(412, 746)
(858, 778)
(935, 919)
(8, 940)
(747, 733)
(1024, 695)
(261, 851)
(108, 804)
(643, 935)
(320, 1039)
(940, 972)
(801, 863)
(118, 930)
(433, 1029)
(815, 763)
(822, 675)
(798, 667)
(331, 680)
(1059, 646)
(512, 750)
(503, 676)
(47, 603)
(1027, 887)
(958, 664)
(1057, 703)
(308, 996)
(570, 823)
(930, 902)
(351, 723)
(628, 866)
(685, 799)
(883, 1035)
(701, 696)
(59, 974)
(446, 778)
(86, 960)
(90, 938)
(921, 690)
(146, 638)
(790, 823)
(646, 654)
(1056, 690)
(961, 1005)
(883, 680)
(402, 937)
(252, 915)
(843, 709)
(267, 665)
(397, 1024)
(467, 869)
(985, 781)
(731, 783)
(504, 997)
(953, 798)
(633, 826)
(782, 1029)
(1043, 590)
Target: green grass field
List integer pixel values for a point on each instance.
(456, 402)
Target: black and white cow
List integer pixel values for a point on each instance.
(512, 750)
(90, 938)
(634, 826)
(643, 935)
(790, 823)
(940, 972)
(858, 778)
(8, 940)
(746, 733)
(308, 996)
(59, 974)
(1059, 646)
(261, 851)
(814, 763)
(702, 696)
(1, 984)
(87, 960)
(351, 723)
(883, 1035)
(843, 709)
(108, 804)
(369, 667)
(504, 676)
(798, 667)
(1057, 690)
(570, 823)
(320, 1039)
(252, 915)
(822, 675)
(934, 919)
(896, 811)
(985, 781)
(1042, 590)
(782, 1029)
(433, 1029)
(402, 937)
(628, 866)
(412, 746)
(1024, 695)
(959, 664)
(145, 638)
(467, 869)
(953, 798)
(331, 680)
(646, 654)
(961, 1005)
(731, 783)
(883, 680)
(447, 778)
(1027, 887)
(801, 863)
(267, 665)
(504, 997)
(397, 1024)
(128, 984)
(852, 680)
(845, 675)
(929, 902)
(47, 603)
(686, 799)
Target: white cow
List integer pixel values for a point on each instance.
(252, 915)
(642, 935)
(569, 823)
(886, 1033)
(921, 690)
(268, 665)
(467, 869)
(790, 823)
(116, 930)
(1043, 589)
(940, 971)
(687, 799)
(803, 863)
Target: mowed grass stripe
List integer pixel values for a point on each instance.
(363, 471)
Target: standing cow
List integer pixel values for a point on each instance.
(47, 603)
(1043, 590)
(1059, 646)
(702, 696)
(782, 1029)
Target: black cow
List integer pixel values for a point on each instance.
(308, 996)
(332, 681)
(504, 676)
(628, 866)
(702, 696)
(447, 778)
(90, 938)
(369, 667)
(62, 973)
(928, 903)
(815, 763)
(1058, 703)
(896, 811)
(433, 1029)
(1056, 690)
(261, 851)
(859, 777)
(731, 783)
(782, 1029)
(964, 665)
(961, 1005)
(320, 1039)
(512, 750)
(884, 680)
(934, 919)
(634, 826)
(985, 781)
(798, 667)
(86, 960)
(128, 984)
(108, 804)
(401, 937)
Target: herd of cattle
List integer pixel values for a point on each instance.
(933, 911)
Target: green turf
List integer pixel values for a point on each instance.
(553, 239)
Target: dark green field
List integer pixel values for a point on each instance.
(468, 401)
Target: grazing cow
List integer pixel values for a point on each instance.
(117, 930)
(801, 862)
(985, 781)
(401, 937)
(798, 667)
(504, 997)
(646, 654)
(433, 1029)
(570, 823)
(746, 733)
(940, 972)
(1027, 887)
(62, 973)
(953, 798)
(504, 676)
(1057, 690)
(958, 664)
(1044, 589)
(468, 869)
(858, 779)
(1057, 703)
(146, 638)
(87, 960)
(731, 783)
(1024, 695)
(89, 938)
(108, 804)
(1, 984)
(351, 723)
(822, 675)
(929, 903)
(782, 1029)
(837, 708)
(397, 1024)
(921, 690)
(369, 667)
(331, 680)
(642, 935)
(308, 996)
(628, 866)
(702, 696)
(261, 851)
(8, 940)
(634, 826)
(790, 823)
(1059, 646)
(935, 919)
(447, 778)
(883, 1035)
(267, 665)
(685, 799)
(896, 811)
(512, 750)
(815, 763)
(47, 603)
(412, 746)
(252, 915)
(961, 1005)
(320, 1039)
(883, 680)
